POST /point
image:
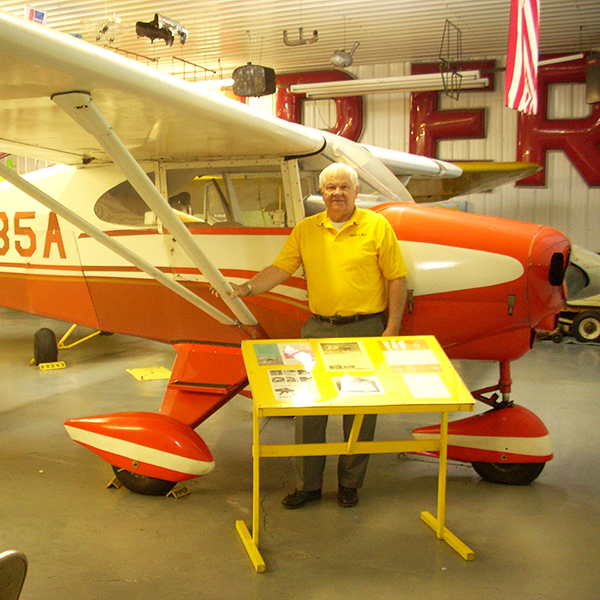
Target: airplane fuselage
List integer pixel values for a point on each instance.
(480, 285)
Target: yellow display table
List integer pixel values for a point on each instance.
(352, 376)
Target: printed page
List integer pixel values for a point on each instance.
(345, 356)
(409, 356)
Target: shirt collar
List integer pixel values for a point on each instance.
(323, 220)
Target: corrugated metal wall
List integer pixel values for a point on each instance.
(567, 202)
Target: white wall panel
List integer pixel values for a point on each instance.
(566, 202)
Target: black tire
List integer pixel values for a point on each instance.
(586, 326)
(140, 484)
(45, 348)
(508, 473)
(556, 338)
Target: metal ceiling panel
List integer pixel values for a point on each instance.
(225, 34)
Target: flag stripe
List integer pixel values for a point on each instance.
(520, 90)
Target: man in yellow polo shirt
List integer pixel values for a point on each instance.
(354, 274)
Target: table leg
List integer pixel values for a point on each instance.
(438, 524)
(251, 541)
(442, 474)
(255, 478)
(354, 433)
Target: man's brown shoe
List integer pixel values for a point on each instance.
(347, 496)
(299, 498)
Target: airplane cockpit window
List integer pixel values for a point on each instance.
(230, 194)
(230, 197)
(206, 196)
(122, 205)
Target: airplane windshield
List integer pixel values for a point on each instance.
(377, 183)
(375, 178)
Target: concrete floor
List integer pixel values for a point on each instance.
(87, 542)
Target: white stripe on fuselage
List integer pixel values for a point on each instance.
(527, 446)
(144, 454)
(434, 269)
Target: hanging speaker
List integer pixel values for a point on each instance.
(253, 80)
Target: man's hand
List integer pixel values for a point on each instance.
(259, 284)
(239, 291)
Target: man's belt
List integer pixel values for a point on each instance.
(338, 320)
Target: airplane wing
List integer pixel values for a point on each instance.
(156, 117)
(476, 177)
(434, 180)
(405, 166)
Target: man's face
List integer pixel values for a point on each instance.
(339, 196)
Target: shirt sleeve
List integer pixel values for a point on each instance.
(290, 257)
(391, 261)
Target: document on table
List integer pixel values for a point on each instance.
(410, 356)
(293, 384)
(345, 356)
(426, 385)
(299, 353)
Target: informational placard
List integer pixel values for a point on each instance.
(296, 353)
(362, 370)
(350, 384)
(345, 356)
(293, 384)
(410, 356)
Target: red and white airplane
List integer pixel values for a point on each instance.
(96, 241)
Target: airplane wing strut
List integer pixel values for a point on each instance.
(113, 245)
(82, 109)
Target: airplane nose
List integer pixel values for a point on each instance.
(548, 260)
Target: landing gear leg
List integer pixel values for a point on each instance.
(503, 386)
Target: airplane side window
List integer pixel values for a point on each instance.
(260, 200)
(235, 199)
(122, 205)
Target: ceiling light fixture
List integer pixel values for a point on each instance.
(430, 82)
(301, 41)
(344, 59)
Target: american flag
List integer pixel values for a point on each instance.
(520, 91)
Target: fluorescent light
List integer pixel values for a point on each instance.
(409, 83)
(560, 59)
(211, 84)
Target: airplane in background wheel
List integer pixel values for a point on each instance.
(586, 326)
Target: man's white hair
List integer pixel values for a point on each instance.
(334, 168)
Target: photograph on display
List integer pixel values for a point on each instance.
(348, 384)
(293, 384)
(345, 356)
(298, 353)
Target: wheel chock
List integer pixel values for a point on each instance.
(179, 492)
(52, 366)
(114, 482)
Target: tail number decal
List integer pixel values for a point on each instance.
(25, 238)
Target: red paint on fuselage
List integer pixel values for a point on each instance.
(480, 323)
(475, 322)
